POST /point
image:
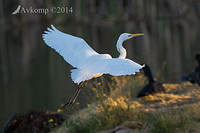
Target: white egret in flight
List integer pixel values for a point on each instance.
(86, 61)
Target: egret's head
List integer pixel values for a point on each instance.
(126, 36)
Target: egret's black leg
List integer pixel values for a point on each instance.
(70, 100)
(74, 97)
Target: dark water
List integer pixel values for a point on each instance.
(33, 76)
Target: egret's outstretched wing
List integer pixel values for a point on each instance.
(73, 49)
(115, 67)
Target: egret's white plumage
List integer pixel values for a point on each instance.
(89, 63)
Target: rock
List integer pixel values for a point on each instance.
(129, 127)
(126, 131)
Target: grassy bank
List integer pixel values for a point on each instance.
(176, 111)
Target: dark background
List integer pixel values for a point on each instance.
(35, 77)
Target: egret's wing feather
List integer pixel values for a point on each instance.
(116, 67)
(73, 49)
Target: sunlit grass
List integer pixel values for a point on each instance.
(115, 103)
(176, 120)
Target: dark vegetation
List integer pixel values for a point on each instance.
(33, 122)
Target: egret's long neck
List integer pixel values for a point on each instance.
(121, 49)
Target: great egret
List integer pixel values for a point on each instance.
(89, 63)
(194, 76)
(153, 86)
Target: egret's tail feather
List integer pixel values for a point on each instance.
(78, 76)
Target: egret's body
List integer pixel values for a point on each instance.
(88, 63)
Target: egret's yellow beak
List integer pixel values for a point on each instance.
(141, 34)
